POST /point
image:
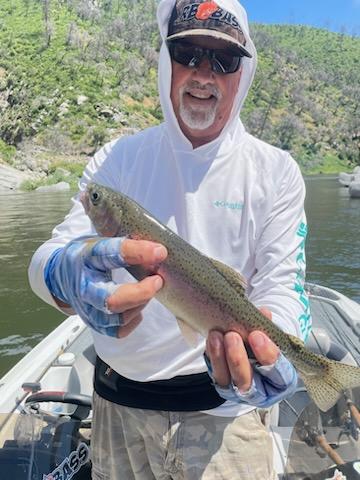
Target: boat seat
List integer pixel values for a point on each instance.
(82, 372)
(320, 342)
(90, 354)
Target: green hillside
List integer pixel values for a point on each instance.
(76, 73)
(306, 95)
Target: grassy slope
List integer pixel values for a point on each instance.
(315, 75)
(304, 98)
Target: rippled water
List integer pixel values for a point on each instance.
(333, 246)
(26, 220)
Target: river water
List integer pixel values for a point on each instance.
(26, 220)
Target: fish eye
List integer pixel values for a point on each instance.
(95, 198)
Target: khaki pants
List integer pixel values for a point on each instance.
(135, 444)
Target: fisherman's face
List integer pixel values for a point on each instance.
(202, 99)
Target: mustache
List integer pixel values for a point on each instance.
(208, 88)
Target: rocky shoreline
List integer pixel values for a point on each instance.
(12, 178)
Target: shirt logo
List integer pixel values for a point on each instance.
(228, 205)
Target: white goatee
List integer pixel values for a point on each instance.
(198, 117)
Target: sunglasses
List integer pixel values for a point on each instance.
(221, 61)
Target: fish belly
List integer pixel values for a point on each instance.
(194, 305)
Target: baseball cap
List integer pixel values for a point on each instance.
(205, 17)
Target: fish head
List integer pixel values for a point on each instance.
(105, 209)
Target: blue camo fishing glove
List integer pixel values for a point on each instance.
(79, 274)
(271, 383)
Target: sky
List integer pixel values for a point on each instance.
(334, 15)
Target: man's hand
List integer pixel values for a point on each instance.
(261, 382)
(79, 275)
(130, 299)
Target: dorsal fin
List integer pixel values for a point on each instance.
(236, 280)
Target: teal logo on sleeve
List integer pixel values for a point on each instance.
(305, 318)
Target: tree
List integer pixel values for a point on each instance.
(46, 7)
(288, 130)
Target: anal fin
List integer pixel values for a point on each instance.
(191, 336)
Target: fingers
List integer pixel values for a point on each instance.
(142, 252)
(216, 352)
(102, 254)
(132, 295)
(239, 365)
(109, 253)
(229, 359)
(265, 351)
(106, 254)
(114, 324)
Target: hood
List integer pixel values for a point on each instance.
(176, 137)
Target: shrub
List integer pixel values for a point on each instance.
(7, 152)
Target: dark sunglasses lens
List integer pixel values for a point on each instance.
(182, 53)
(189, 55)
(225, 62)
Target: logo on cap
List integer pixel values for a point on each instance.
(206, 9)
(205, 17)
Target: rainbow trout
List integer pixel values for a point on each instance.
(205, 294)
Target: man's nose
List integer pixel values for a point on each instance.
(204, 68)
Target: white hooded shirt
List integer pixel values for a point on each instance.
(236, 199)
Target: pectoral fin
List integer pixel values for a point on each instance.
(191, 336)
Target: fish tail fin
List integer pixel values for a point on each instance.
(327, 386)
(325, 379)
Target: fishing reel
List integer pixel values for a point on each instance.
(350, 420)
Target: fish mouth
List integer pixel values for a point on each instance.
(84, 199)
(100, 219)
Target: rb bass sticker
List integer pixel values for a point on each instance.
(70, 465)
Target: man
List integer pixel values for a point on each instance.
(156, 413)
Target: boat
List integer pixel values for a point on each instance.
(45, 405)
(345, 179)
(354, 187)
(352, 181)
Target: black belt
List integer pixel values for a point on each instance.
(184, 393)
